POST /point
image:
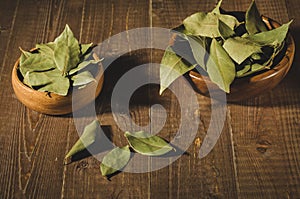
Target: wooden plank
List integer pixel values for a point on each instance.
(33, 145)
(191, 177)
(265, 138)
(100, 21)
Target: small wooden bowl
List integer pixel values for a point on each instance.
(246, 87)
(53, 104)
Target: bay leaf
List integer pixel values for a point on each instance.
(272, 37)
(85, 47)
(147, 144)
(34, 63)
(58, 83)
(24, 55)
(67, 51)
(36, 79)
(198, 47)
(46, 49)
(220, 67)
(206, 24)
(224, 30)
(83, 65)
(253, 69)
(253, 21)
(242, 72)
(87, 138)
(247, 48)
(115, 160)
(171, 67)
(217, 8)
(82, 78)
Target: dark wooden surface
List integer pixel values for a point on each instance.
(257, 155)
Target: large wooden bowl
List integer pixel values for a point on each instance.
(246, 87)
(53, 104)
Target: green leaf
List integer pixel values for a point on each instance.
(254, 23)
(252, 69)
(220, 67)
(217, 8)
(242, 72)
(85, 47)
(87, 138)
(24, 55)
(50, 81)
(147, 144)
(115, 160)
(66, 51)
(206, 24)
(198, 46)
(171, 68)
(240, 48)
(224, 30)
(34, 63)
(272, 37)
(83, 65)
(82, 78)
(46, 49)
(36, 79)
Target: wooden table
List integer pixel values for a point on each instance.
(256, 156)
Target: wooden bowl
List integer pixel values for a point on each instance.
(53, 104)
(246, 87)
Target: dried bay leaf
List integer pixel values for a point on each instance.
(272, 37)
(57, 83)
(198, 47)
(172, 67)
(242, 72)
(220, 67)
(206, 24)
(147, 144)
(35, 63)
(82, 78)
(66, 51)
(87, 138)
(85, 47)
(240, 48)
(46, 49)
(253, 20)
(115, 160)
(83, 65)
(224, 30)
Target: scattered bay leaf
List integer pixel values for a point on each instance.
(115, 160)
(147, 144)
(87, 138)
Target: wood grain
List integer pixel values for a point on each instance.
(256, 156)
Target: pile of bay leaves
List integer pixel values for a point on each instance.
(56, 66)
(224, 47)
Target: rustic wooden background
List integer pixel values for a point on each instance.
(257, 155)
